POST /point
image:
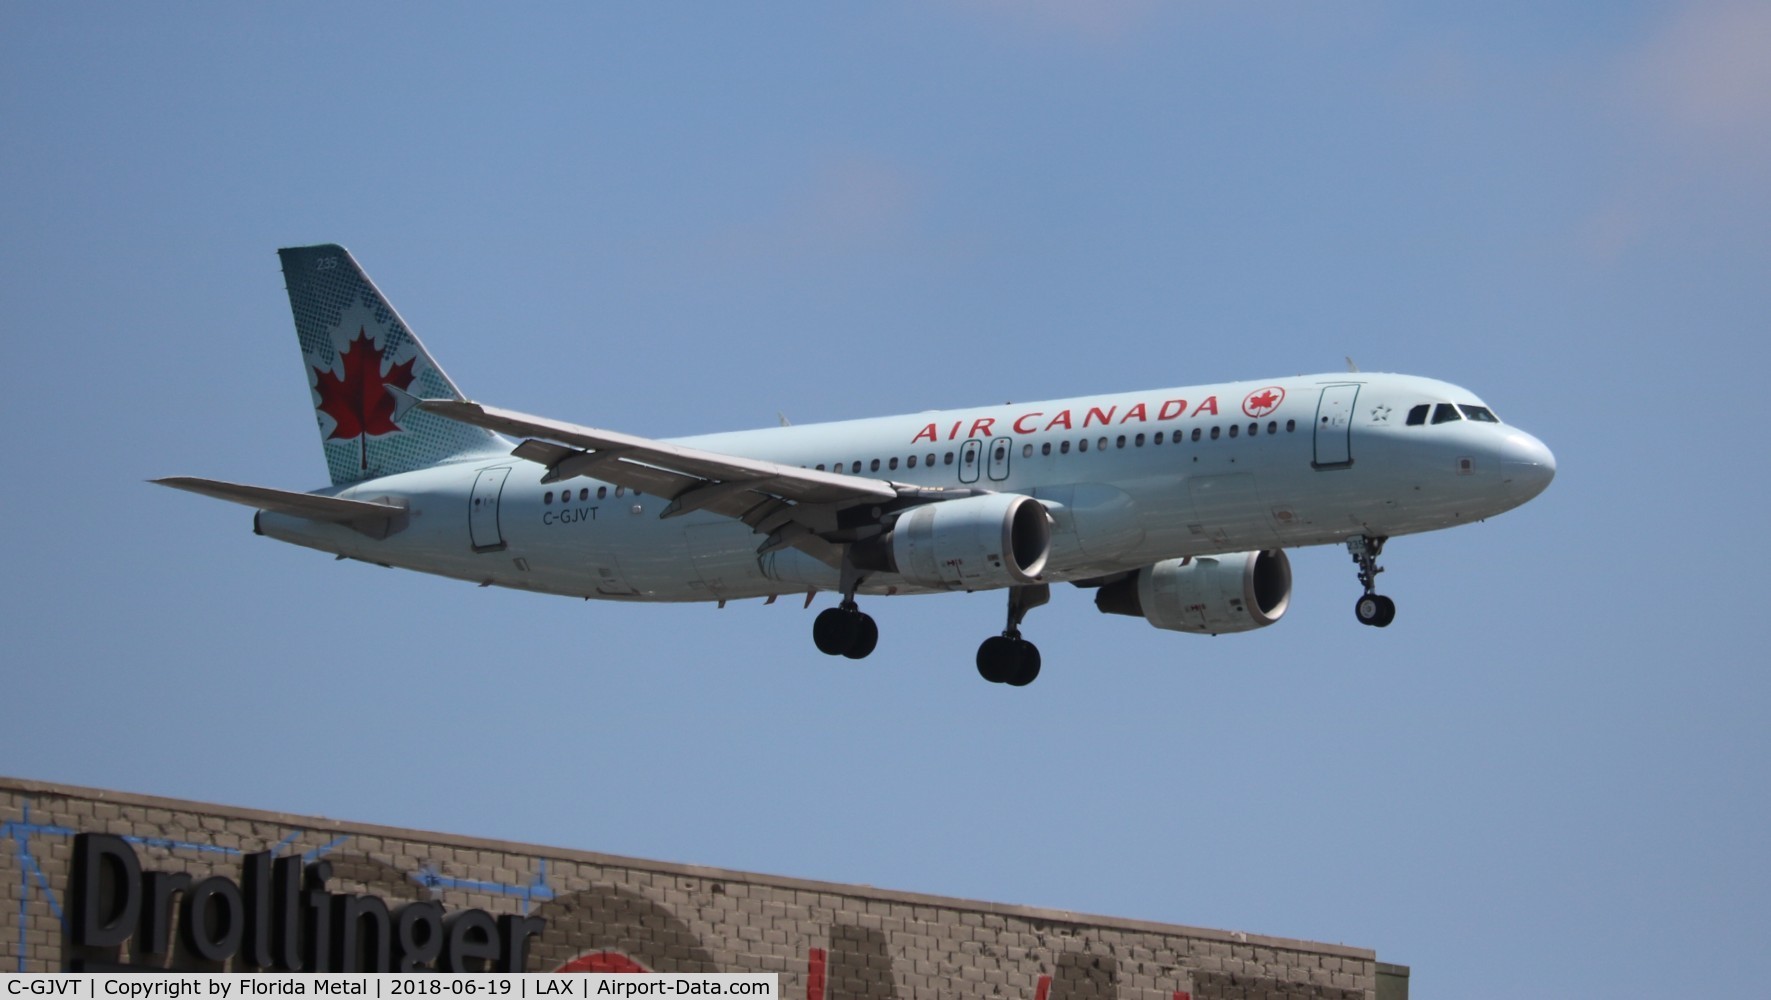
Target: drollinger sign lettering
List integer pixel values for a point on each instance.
(278, 916)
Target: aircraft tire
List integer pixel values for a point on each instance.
(1026, 664)
(995, 658)
(865, 638)
(1375, 610)
(1386, 613)
(834, 631)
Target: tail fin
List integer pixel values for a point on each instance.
(354, 346)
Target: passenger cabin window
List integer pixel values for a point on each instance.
(1479, 413)
(1445, 413)
(1418, 415)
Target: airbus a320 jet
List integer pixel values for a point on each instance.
(1174, 505)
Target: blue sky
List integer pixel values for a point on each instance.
(1547, 778)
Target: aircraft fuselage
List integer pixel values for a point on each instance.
(1129, 480)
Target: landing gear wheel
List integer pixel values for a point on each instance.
(1372, 609)
(866, 637)
(845, 631)
(1375, 610)
(1026, 666)
(1008, 659)
(835, 630)
(995, 658)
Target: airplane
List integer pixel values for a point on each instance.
(1175, 505)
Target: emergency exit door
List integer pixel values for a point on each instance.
(482, 511)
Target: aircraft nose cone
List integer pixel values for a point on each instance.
(1529, 465)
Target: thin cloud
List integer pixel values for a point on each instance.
(850, 203)
(1693, 100)
(1705, 78)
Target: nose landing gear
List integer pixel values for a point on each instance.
(1372, 608)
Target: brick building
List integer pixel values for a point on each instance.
(96, 879)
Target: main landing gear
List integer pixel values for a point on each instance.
(1008, 658)
(1372, 608)
(845, 630)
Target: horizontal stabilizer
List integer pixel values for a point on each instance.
(371, 518)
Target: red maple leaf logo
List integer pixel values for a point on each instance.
(358, 401)
(1263, 401)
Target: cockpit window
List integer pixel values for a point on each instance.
(1418, 415)
(1481, 413)
(1445, 413)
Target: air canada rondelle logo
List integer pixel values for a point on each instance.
(1261, 402)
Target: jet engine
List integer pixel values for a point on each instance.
(994, 540)
(1237, 592)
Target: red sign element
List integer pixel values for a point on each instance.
(358, 401)
(602, 961)
(815, 964)
(1263, 401)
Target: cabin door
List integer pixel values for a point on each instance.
(1334, 426)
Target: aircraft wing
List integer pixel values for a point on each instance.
(785, 502)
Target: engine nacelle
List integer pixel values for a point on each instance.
(995, 540)
(1238, 592)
